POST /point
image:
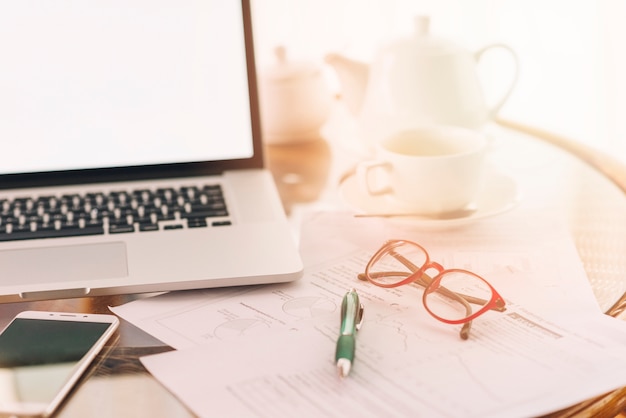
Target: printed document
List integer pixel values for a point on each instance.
(269, 350)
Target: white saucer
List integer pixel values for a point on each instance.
(498, 194)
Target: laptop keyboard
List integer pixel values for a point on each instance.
(113, 213)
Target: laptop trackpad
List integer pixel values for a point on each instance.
(68, 263)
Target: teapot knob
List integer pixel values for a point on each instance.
(422, 25)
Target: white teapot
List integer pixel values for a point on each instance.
(294, 100)
(421, 80)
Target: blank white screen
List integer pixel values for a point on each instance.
(106, 83)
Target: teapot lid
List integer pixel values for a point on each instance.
(285, 70)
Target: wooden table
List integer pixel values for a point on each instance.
(586, 186)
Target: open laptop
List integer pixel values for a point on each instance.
(131, 157)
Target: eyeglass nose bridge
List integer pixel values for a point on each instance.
(432, 265)
(421, 277)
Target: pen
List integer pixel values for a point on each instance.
(351, 319)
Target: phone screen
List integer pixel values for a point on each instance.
(38, 357)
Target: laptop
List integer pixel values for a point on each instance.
(131, 154)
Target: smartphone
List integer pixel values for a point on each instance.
(42, 356)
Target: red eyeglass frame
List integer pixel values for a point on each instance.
(432, 284)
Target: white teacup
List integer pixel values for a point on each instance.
(429, 170)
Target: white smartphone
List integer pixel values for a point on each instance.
(43, 354)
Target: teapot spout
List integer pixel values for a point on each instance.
(353, 76)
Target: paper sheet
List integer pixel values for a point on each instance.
(550, 349)
(531, 369)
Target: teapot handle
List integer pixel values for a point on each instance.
(479, 54)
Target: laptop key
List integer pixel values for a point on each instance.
(203, 211)
(221, 223)
(196, 223)
(121, 228)
(148, 226)
(41, 232)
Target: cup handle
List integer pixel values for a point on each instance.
(478, 55)
(364, 172)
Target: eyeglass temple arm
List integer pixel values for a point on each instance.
(428, 279)
(424, 281)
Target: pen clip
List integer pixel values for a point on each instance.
(359, 317)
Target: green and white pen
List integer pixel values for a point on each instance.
(351, 320)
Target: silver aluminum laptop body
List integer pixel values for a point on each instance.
(100, 98)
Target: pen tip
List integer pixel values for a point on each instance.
(343, 366)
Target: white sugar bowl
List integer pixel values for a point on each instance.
(294, 100)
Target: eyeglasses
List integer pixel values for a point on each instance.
(447, 296)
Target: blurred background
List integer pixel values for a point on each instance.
(572, 53)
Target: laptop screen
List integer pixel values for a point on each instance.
(100, 84)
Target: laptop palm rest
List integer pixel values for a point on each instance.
(63, 263)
